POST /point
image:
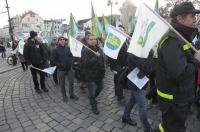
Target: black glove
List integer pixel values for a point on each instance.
(140, 74)
(151, 52)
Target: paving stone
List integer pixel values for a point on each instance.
(29, 128)
(47, 119)
(59, 128)
(98, 124)
(82, 130)
(66, 122)
(53, 123)
(15, 125)
(118, 130)
(73, 127)
(77, 121)
(19, 129)
(93, 129)
(4, 127)
(107, 127)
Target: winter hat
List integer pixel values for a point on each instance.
(87, 32)
(33, 34)
(59, 37)
(182, 8)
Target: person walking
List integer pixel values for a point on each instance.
(33, 55)
(62, 58)
(176, 68)
(49, 53)
(94, 70)
(138, 95)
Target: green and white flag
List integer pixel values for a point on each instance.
(75, 46)
(149, 29)
(21, 46)
(114, 42)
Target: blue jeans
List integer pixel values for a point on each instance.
(94, 89)
(138, 97)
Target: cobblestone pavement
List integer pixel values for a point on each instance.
(22, 109)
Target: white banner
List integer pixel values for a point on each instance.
(75, 46)
(50, 70)
(148, 31)
(114, 42)
(21, 47)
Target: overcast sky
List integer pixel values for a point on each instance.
(57, 9)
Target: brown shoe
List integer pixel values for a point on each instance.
(65, 99)
(82, 90)
(81, 84)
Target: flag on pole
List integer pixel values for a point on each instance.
(148, 31)
(75, 46)
(114, 42)
(21, 46)
(50, 70)
(117, 22)
(96, 26)
(126, 25)
(105, 27)
(73, 31)
(156, 9)
(51, 33)
(133, 22)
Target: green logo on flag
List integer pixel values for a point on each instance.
(145, 32)
(113, 42)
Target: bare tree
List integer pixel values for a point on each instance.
(165, 10)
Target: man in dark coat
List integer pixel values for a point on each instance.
(33, 55)
(62, 58)
(94, 70)
(176, 67)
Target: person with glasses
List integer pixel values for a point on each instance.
(49, 52)
(94, 70)
(62, 58)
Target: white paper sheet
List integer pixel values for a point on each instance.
(132, 76)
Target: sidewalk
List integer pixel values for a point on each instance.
(4, 65)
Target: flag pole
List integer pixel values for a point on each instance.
(36, 68)
(171, 28)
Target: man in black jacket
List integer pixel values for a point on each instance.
(94, 70)
(176, 67)
(117, 65)
(33, 54)
(62, 58)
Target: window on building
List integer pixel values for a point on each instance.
(28, 19)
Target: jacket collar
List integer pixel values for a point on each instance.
(185, 31)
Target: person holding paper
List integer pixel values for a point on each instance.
(176, 68)
(138, 95)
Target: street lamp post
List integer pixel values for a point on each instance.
(10, 27)
(110, 3)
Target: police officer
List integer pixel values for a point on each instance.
(176, 67)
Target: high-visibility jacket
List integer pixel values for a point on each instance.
(176, 67)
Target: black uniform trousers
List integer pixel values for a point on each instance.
(173, 119)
